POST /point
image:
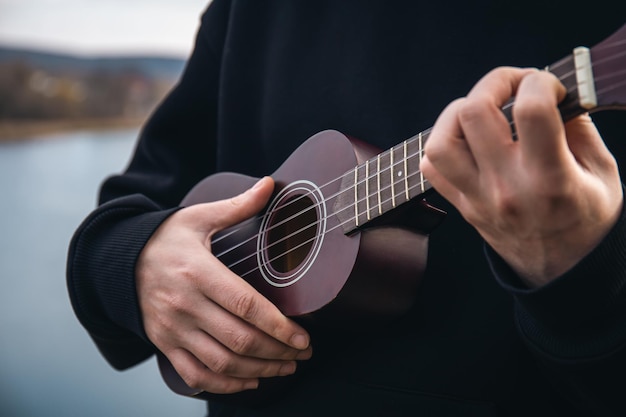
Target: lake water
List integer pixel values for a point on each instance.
(48, 364)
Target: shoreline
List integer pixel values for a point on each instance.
(19, 130)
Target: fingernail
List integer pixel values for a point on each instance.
(300, 341)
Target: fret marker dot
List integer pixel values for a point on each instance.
(399, 173)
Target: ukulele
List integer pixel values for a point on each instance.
(345, 234)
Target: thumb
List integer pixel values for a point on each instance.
(225, 213)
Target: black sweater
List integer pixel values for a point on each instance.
(266, 75)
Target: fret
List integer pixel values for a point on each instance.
(406, 169)
(386, 199)
(361, 200)
(356, 196)
(380, 204)
(367, 190)
(392, 179)
(373, 188)
(420, 151)
(412, 164)
(397, 175)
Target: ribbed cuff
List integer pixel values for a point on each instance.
(101, 267)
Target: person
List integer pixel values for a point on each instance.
(521, 310)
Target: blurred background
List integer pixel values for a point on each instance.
(77, 80)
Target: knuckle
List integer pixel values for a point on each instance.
(242, 343)
(163, 314)
(193, 378)
(244, 305)
(235, 201)
(187, 271)
(197, 380)
(531, 108)
(472, 109)
(159, 334)
(174, 304)
(220, 364)
(229, 386)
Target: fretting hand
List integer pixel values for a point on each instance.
(541, 202)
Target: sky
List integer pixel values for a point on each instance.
(96, 27)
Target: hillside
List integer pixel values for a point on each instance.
(39, 89)
(151, 66)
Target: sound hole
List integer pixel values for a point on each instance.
(291, 233)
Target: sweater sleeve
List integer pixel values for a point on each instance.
(175, 150)
(576, 325)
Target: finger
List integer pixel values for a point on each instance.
(504, 80)
(448, 162)
(538, 121)
(200, 378)
(245, 339)
(484, 124)
(442, 185)
(221, 360)
(239, 298)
